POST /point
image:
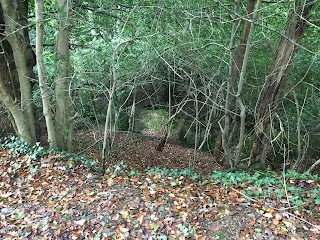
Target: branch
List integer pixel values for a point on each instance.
(104, 12)
(314, 166)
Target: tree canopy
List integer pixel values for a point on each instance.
(210, 64)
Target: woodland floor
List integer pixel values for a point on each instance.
(57, 198)
(138, 152)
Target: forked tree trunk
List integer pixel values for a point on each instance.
(295, 26)
(15, 18)
(108, 134)
(235, 161)
(236, 62)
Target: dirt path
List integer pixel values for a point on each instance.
(138, 152)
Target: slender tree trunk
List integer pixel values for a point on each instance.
(62, 114)
(45, 91)
(15, 18)
(295, 26)
(240, 104)
(236, 62)
(108, 133)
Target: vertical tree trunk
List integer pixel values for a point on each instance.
(15, 18)
(295, 26)
(240, 104)
(45, 91)
(108, 133)
(62, 114)
(236, 62)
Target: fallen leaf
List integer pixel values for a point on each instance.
(80, 222)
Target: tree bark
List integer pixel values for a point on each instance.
(295, 26)
(240, 104)
(18, 115)
(44, 89)
(16, 32)
(236, 62)
(62, 114)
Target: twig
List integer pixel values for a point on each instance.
(279, 209)
(90, 146)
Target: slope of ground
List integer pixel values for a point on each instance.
(56, 198)
(138, 152)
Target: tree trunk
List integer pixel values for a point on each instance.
(234, 161)
(18, 115)
(108, 133)
(236, 62)
(44, 89)
(296, 23)
(62, 114)
(15, 19)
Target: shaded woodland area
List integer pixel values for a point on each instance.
(159, 119)
(235, 79)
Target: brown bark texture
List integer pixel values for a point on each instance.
(234, 73)
(62, 113)
(16, 62)
(295, 26)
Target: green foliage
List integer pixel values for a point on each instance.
(173, 172)
(241, 178)
(269, 185)
(220, 235)
(17, 147)
(301, 176)
(154, 120)
(134, 173)
(185, 43)
(122, 121)
(118, 170)
(72, 156)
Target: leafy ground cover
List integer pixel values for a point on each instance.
(138, 152)
(51, 196)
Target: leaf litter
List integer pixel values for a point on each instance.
(56, 198)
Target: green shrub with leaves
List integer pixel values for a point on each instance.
(17, 148)
(269, 185)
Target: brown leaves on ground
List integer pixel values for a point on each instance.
(138, 152)
(50, 198)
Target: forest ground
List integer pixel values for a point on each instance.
(138, 152)
(57, 198)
